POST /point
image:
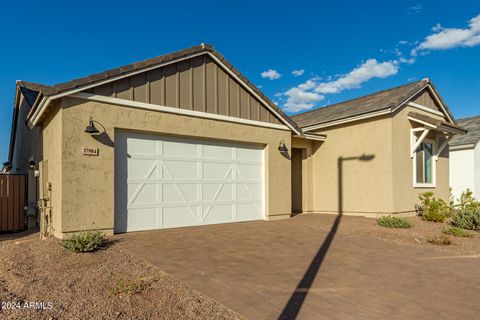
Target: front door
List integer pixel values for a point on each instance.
(297, 194)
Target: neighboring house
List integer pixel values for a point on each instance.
(184, 139)
(465, 159)
(385, 149)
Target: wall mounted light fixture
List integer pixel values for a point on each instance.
(91, 129)
(282, 147)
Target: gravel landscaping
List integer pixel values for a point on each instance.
(93, 285)
(418, 235)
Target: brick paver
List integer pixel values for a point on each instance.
(255, 267)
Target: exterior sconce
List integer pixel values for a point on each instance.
(282, 147)
(31, 163)
(91, 129)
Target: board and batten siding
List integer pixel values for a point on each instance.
(425, 99)
(197, 84)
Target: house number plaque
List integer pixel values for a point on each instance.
(90, 151)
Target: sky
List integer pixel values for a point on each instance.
(301, 54)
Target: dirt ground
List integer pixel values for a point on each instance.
(418, 235)
(77, 285)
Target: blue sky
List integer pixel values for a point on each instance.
(345, 48)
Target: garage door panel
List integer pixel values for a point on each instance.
(140, 168)
(144, 194)
(249, 171)
(217, 192)
(217, 152)
(249, 154)
(218, 214)
(179, 193)
(141, 219)
(167, 182)
(248, 211)
(178, 170)
(217, 171)
(249, 191)
(180, 149)
(180, 216)
(142, 146)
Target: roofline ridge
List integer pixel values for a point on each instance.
(367, 95)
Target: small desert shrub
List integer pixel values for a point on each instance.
(456, 232)
(393, 222)
(85, 241)
(128, 287)
(441, 240)
(467, 219)
(433, 209)
(467, 201)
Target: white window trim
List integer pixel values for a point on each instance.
(434, 164)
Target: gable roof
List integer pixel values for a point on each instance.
(472, 124)
(436, 123)
(386, 100)
(80, 84)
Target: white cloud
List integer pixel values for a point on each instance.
(415, 9)
(305, 96)
(298, 73)
(447, 38)
(271, 74)
(300, 99)
(364, 72)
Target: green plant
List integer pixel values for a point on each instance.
(433, 209)
(128, 287)
(468, 218)
(456, 232)
(467, 201)
(394, 222)
(85, 241)
(441, 240)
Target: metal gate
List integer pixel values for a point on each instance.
(13, 196)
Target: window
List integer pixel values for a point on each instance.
(424, 164)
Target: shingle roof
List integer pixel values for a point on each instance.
(381, 100)
(472, 136)
(47, 91)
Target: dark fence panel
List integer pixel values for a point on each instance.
(13, 194)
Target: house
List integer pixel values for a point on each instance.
(382, 150)
(184, 139)
(465, 159)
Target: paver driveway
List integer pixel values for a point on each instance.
(256, 267)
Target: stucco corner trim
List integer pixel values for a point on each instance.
(191, 113)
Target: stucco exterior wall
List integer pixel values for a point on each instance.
(405, 194)
(366, 186)
(462, 165)
(88, 188)
(52, 159)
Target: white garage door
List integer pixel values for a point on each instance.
(167, 182)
